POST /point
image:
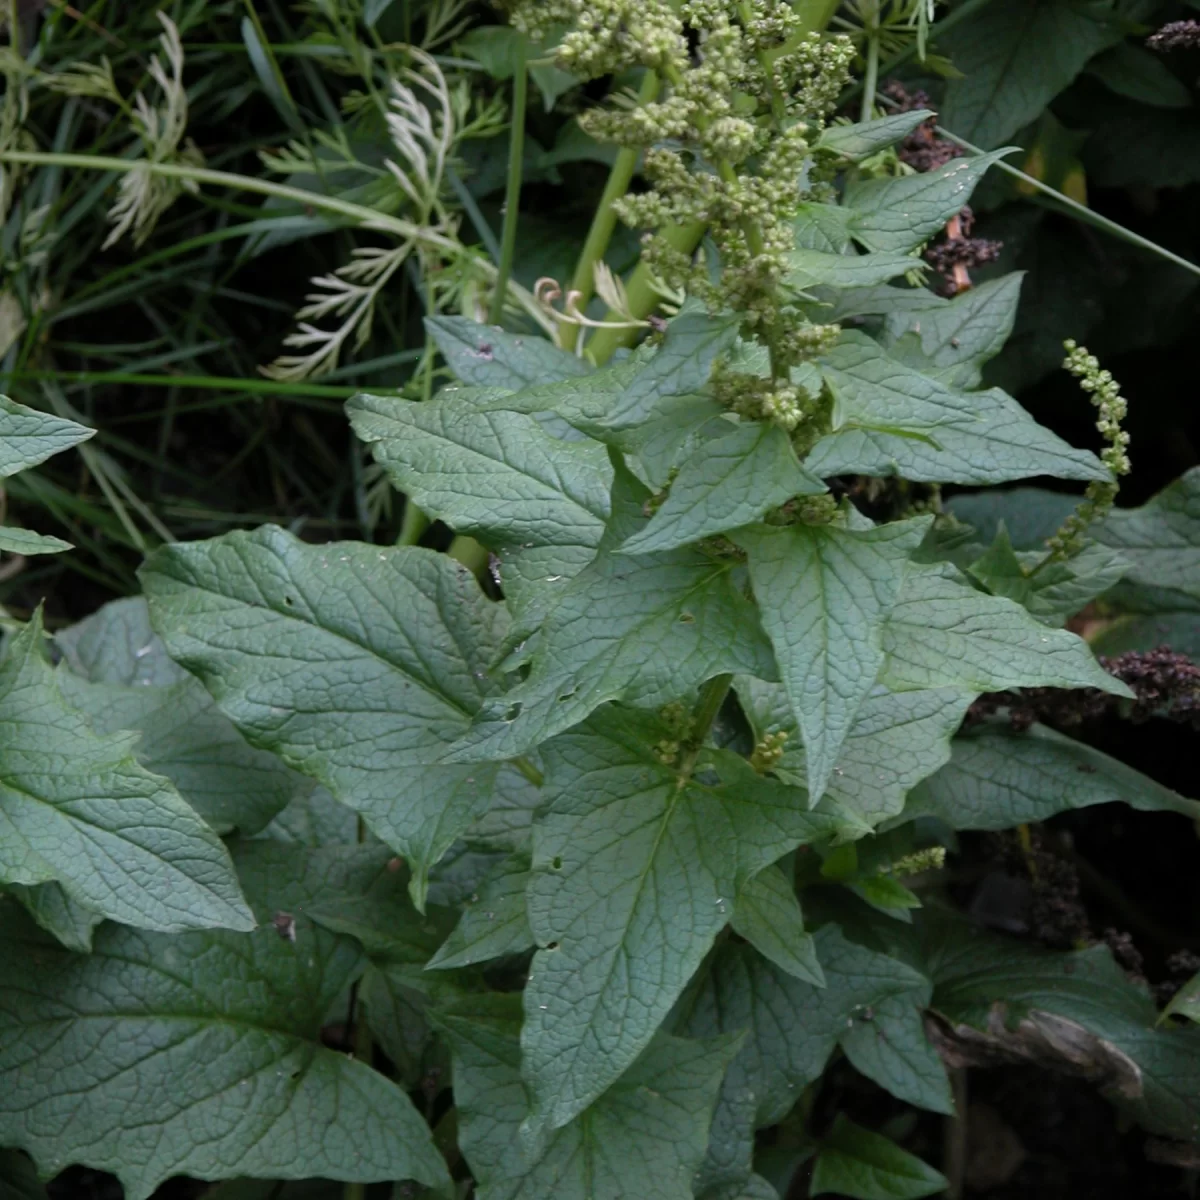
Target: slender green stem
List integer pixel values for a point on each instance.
(712, 696)
(642, 295)
(1079, 211)
(512, 191)
(943, 27)
(583, 282)
(470, 553)
(358, 214)
(216, 383)
(871, 77)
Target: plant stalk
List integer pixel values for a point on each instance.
(643, 296)
(871, 77)
(512, 191)
(583, 282)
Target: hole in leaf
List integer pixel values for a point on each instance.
(514, 711)
(556, 863)
(686, 619)
(289, 601)
(567, 695)
(551, 945)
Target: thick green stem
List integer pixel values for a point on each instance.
(470, 553)
(712, 696)
(512, 192)
(583, 282)
(642, 295)
(412, 525)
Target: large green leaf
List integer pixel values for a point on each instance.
(998, 778)
(943, 633)
(729, 481)
(77, 809)
(1078, 1011)
(767, 914)
(498, 475)
(897, 215)
(1014, 59)
(356, 664)
(487, 356)
(200, 1054)
(117, 644)
(57, 913)
(890, 419)
(897, 739)
(853, 1161)
(183, 736)
(643, 1138)
(1162, 542)
(951, 342)
(792, 1029)
(825, 592)
(811, 268)
(643, 630)
(493, 922)
(28, 437)
(635, 872)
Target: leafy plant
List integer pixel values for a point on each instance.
(567, 863)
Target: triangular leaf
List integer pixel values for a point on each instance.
(493, 922)
(729, 481)
(899, 214)
(943, 633)
(28, 437)
(356, 664)
(487, 356)
(642, 630)
(25, 541)
(767, 914)
(897, 739)
(167, 1070)
(825, 592)
(645, 1137)
(998, 778)
(634, 874)
(865, 138)
(852, 1161)
(76, 809)
(892, 420)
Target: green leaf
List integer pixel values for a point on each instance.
(168, 1070)
(1186, 1001)
(892, 420)
(811, 268)
(620, 399)
(852, 1161)
(28, 437)
(897, 215)
(729, 481)
(18, 1178)
(767, 914)
(507, 823)
(634, 873)
(54, 910)
(865, 138)
(76, 809)
(1014, 59)
(497, 475)
(1031, 515)
(1162, 542)
(952, 341)
(25, 541)
(184, 736)
(116, 644)
(642, 630)
(645, 1137)
(792, 1027)
(1137, 74)
(897, 739)
(356, 664)
(1077, 1011)
(493, 923)
(824, 594)
(823, 227)
(998, 778)
(486, 356)
(1180, 631)
(1050, 591)
(943, 633)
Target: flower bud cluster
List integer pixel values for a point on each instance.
(1098, 499)
(727, 146)
(768, 750)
